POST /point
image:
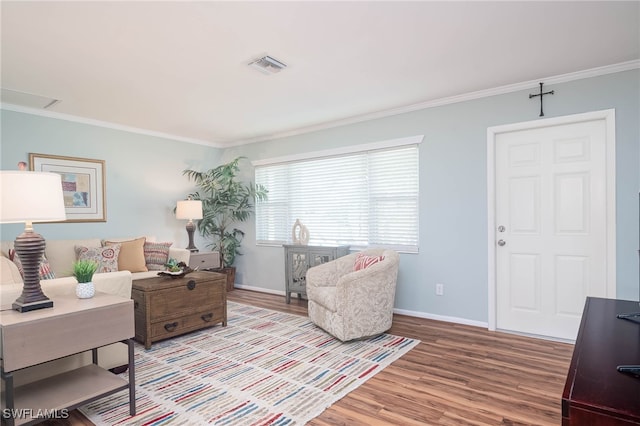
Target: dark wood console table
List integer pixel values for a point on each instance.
(595, 393)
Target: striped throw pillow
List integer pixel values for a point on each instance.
(363, 261)
(156, 255)
(46, 273)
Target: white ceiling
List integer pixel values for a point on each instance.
(180, 68)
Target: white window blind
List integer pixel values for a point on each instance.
(362, 199)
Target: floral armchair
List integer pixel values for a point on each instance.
(352, 297)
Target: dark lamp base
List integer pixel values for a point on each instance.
(30, 247)
(190, 228)
(26, 307)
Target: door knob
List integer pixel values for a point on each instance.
(501, 242)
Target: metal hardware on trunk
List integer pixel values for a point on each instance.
(191, 284)
(171, 326)
(501, 242)
(207, 317)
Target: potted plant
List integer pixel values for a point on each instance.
(83, 271)
(226, 200)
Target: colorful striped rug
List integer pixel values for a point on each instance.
(264, 368)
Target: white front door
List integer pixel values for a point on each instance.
(551, 228)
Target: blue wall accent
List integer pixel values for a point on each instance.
(453, 189)
(143, 175)
(144, 180)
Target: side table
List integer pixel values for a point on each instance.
(299, 258)
(71, 326)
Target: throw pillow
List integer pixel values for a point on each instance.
(9, 273)
(156, 255)
(45, 272)
(363, 261)
(107, 257)
(131, 257)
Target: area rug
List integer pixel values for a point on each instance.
(264, 368)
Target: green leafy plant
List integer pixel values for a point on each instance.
(226, 200)
(173, 265)
(83, 270)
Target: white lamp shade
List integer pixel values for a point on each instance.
(31, 197)
(189, 209)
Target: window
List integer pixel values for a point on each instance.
(361, 198)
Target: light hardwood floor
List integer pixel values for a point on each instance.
(457, 375)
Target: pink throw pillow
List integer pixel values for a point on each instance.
(363, 261)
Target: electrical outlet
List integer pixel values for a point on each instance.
(439, 289)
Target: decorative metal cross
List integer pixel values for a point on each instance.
(541, 95)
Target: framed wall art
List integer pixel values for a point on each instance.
(83, 185)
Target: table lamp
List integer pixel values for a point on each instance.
(189, 209)
(31, 197)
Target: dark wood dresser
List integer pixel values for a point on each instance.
(166, 306)
(595, 393)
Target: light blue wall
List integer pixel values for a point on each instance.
(144, 180)
(453, 189)
(143, 175)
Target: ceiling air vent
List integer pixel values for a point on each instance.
(268, 65)
(16, 97)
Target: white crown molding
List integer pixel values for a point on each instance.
(563, 78)
(345, 150)
(106, 124)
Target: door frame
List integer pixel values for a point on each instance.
(609, 117)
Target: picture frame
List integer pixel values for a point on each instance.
(83, 184)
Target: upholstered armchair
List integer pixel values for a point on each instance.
(352, 304)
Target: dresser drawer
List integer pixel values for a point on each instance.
(195, 321)
(183, 299)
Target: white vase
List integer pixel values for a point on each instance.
(299, 233)
(85, 290)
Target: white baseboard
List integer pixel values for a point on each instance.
(416, 314)
(444, 318)
(259, 289)
(537, 336)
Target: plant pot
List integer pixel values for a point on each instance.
(230, 272)
(85, 290)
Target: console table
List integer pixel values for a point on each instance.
(299, 258)
(71, 326)
(595, 393)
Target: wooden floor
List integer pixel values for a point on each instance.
(457, 375)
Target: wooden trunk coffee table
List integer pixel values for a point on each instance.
(167, 306)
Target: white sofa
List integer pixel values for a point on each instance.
(61, 254)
